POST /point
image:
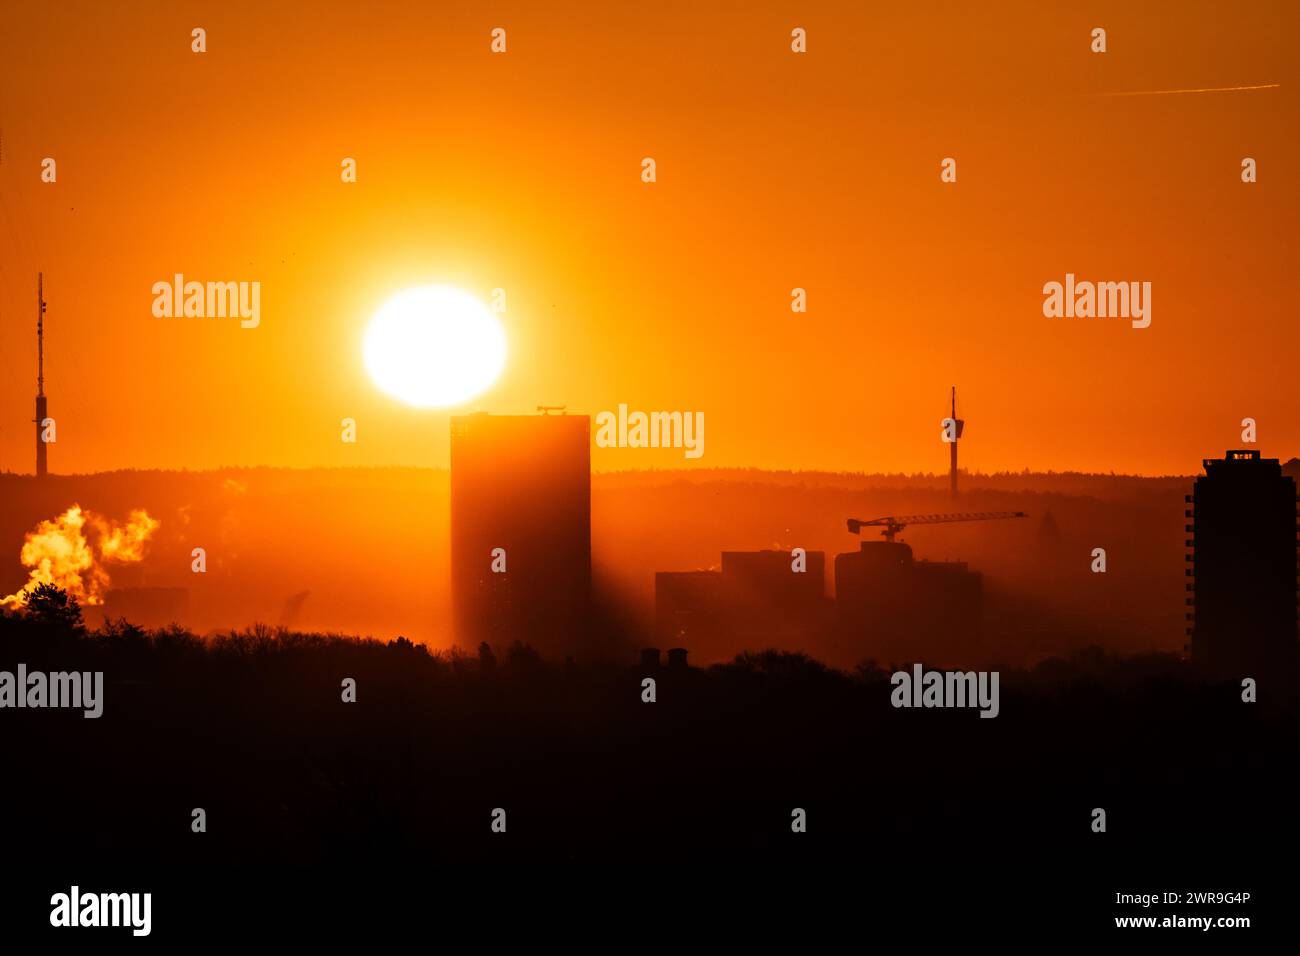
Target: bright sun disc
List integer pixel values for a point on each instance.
(434, 346)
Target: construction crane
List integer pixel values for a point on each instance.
(893, 524)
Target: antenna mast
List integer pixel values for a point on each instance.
(952, 464)
(40, 333)
(41, 416)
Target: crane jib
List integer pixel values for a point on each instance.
(893, 524)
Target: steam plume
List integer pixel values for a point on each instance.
(75, 550)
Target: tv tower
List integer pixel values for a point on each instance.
(40, 375)
(958, 426)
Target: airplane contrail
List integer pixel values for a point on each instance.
(1209, 89)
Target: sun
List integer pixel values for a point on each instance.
(434, 346)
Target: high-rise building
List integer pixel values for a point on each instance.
(895, 608)
(1242, 603)
(758, 600)
(521, 504)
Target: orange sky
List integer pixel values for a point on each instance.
(522, 171)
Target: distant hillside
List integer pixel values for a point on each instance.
(1066, 482)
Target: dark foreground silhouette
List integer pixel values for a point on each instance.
(251, 727)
